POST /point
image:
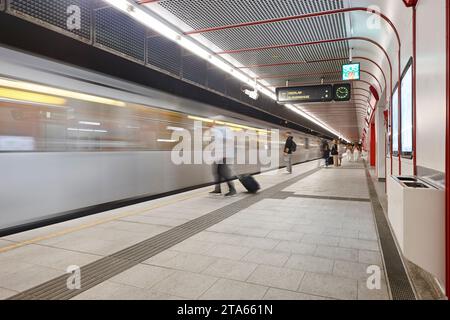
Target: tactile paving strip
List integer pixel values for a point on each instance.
(109, 266)
(401, 288)
(284, 195)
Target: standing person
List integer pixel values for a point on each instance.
(356, 153)
(341, 150)
(289, 148)
(335, 153)
(349, 153)
(326, 153)
(221, 169)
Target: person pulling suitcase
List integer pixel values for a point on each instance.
(249, 183)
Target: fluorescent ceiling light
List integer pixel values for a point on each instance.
(315, 120)
(144, 17)
(58, 92)
(200, 119)
(186, 42)
(167, 140)
(90, 123)
(19, 95)
(175, 129)
(86, 130)
(228, 124)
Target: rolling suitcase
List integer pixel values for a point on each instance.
(249, 183)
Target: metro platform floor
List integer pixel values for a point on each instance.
(309, 235)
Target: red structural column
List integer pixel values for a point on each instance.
(414, 91)
(373, 144)
(447, 160)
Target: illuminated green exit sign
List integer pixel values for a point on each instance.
(351, 71)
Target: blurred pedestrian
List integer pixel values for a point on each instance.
(326, 153)
(289, 148)
(335, 153)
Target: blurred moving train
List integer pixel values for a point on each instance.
(73, 141)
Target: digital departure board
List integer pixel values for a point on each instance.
(318, 93)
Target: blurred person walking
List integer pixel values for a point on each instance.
(326, 153)
(356, 153)
(341, 150)
(289, 148)
(349, 153)
(221, 170)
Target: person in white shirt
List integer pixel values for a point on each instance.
(356, 154)
(349, 153)
(221, 168)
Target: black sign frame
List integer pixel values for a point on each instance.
(316, 91)
(346, 85)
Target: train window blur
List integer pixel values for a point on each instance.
(407, 112)
(39, 122)
(395, 122)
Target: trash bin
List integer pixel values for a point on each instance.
(416, 212)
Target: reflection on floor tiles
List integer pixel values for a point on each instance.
(295, 248)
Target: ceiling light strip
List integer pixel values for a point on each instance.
(143, 17)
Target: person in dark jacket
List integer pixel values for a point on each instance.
(326, 153)
(335, 153)
(289, 148)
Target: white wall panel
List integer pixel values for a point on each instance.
(407, 167)
(431, 79)
(395, 166)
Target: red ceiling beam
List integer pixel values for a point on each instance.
(368, 91)
(314, 61)
(315, 82)
(360, 95)
(148, 1)
(335, 40)
(299, 17)
(410, 3)
(361, 100)
(318, 42)
(302, 44)
(331, 12)
(297, 75)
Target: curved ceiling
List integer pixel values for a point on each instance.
(301, 51)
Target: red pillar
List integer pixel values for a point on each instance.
(447, 162)
(373, 143)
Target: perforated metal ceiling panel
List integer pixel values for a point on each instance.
(54, 14)
(212, 13)
(295, 31)
(216, 79)
(119, 32)
(204, 14)
(194, 69)
(293, 67)
(164, 54)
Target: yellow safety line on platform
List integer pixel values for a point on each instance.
(95, 223)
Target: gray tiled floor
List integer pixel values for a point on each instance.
(295, 248)
(234, 290)
(330, 286)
